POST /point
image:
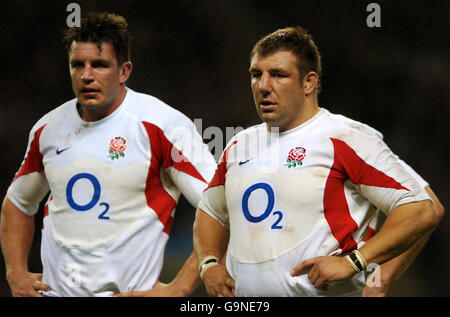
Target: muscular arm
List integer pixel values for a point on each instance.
(17, 232)
(392, 269)
(211, 238)
(403, 228)
(187, 279)
(405, 225)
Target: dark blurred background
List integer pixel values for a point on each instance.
(194, 56)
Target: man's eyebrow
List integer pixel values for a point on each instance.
(95, 61)
(271, 70)
(279, 70)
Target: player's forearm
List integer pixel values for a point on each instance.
(392, 269)
(403, 228)
(17, 231)
(210, 237)
(187, 279)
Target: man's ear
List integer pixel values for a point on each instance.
(125, 71)
(310, 82)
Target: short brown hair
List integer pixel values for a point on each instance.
(296, 40)
(102, 27)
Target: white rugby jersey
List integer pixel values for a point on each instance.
(114, 185)
(307, 192)
(378, 219)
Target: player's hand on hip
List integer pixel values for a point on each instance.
(325, 269)
(27, 284)
(218, 282)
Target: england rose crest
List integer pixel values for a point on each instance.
(295, 157)
(116, 148)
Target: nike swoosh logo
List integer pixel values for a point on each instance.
(60, 151)
(243, 162)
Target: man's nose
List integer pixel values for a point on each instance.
(265, 83)
(87, 73)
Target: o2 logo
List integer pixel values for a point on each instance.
(95, 197)
(271, 201)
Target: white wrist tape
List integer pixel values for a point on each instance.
(206, 263)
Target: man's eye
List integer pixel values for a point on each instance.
(255, 75)
(99, 65)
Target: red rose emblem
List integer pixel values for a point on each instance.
(116, 147)
(297, 154)
(295, 157)
(118, 144)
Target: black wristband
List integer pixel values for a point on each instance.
(356, 261)
(210, 261)
(207, 263)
